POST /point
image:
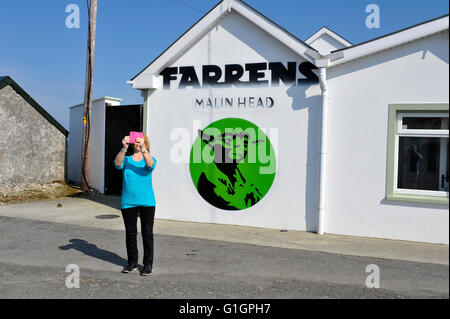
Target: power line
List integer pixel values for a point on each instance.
(189, 6)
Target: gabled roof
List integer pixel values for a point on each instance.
(393, 39)
(6, 80)
(324, 31)
(145, 78)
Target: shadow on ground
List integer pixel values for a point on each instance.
(93, 250)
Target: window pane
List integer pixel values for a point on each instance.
(425, 123)
(423, 163)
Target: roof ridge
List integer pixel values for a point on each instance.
(331, 30)
(224, 12)
(7, 80)
(394, 32)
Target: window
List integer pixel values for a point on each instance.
(418, 162)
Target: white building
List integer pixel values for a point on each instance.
(359, 133)
(97, 141)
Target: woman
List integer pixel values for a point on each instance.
(137, 196)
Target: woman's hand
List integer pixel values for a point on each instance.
(126, 141)
(140, 143)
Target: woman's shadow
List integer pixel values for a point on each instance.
(93, 251)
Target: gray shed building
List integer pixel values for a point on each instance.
(33, 145)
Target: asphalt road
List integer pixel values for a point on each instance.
(34, 256)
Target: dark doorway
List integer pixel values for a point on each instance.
(119, 121)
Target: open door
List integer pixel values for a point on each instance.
(119, 121)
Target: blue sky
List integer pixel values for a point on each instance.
(48, 60)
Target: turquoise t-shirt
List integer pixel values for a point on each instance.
(137, 187)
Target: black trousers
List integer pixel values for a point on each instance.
(147, 215)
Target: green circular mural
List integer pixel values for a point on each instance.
(232, 164)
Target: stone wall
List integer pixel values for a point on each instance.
(32, 150)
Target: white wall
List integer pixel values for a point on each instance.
(360, 92)
(97, 147)
(291, 201)
(97, 143)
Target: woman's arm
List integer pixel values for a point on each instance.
(146, 153)
(121, 155)
(148, 158)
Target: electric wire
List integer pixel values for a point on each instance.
(188, 6)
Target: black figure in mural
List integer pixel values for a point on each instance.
(226, 187)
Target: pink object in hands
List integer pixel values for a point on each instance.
(134, 135)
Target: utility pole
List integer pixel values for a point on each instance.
(88, 96)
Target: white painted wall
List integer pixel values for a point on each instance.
(97, 142)
(360, 92)
(291, 201)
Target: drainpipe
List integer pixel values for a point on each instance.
(144, 94)
(323, 150)
(322, 62)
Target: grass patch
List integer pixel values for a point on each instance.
(36, 192)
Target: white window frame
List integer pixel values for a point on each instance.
(420, 132)
(395, 130)
(401, 132)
